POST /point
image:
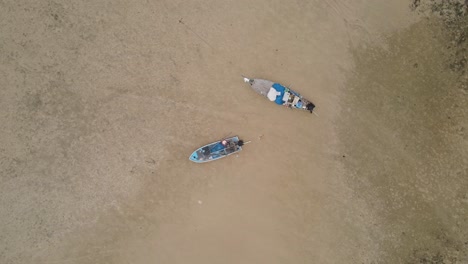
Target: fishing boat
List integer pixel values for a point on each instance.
(217, 150)
(280, 94)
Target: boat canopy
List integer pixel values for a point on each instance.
(281, 90)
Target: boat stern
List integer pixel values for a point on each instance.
(310, 107)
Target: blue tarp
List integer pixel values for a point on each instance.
(278, 87)
(219, 146)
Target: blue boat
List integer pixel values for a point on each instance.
(280, 94)
(217, 150)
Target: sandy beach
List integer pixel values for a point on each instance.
(101, 103)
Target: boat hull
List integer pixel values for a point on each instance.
(216, 150)
(280, 94)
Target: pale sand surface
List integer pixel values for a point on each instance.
(102, 102)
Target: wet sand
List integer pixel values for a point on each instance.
(103, 102)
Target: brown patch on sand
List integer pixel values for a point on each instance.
(403, 132)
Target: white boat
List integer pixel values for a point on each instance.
(280, 94)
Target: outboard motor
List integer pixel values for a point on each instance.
(310, 107)
(240, 143)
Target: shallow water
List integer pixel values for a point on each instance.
(103, 102)
(403, 135)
